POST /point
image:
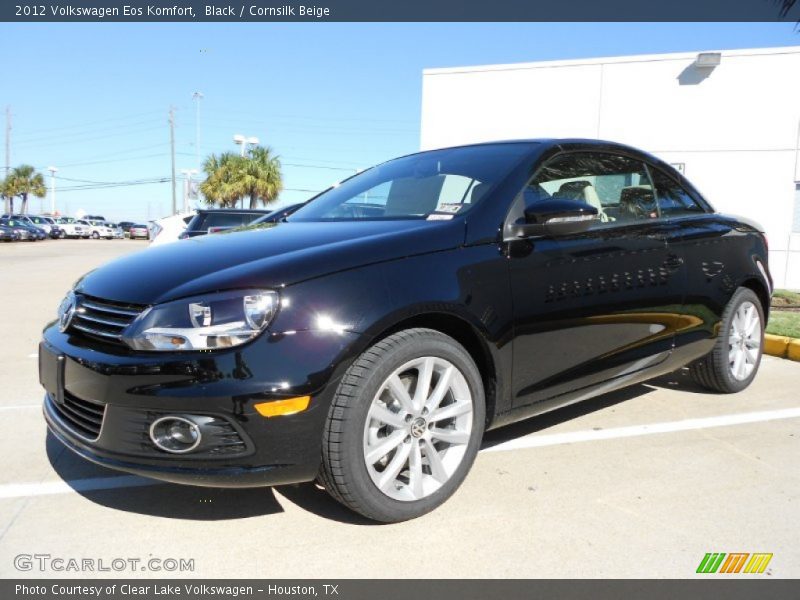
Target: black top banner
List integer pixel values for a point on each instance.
(400, 10)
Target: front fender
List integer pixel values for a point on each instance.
(468, 284)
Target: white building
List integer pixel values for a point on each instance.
(734, 128)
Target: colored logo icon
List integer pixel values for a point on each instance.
(735, 562)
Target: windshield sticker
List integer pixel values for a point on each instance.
(439, 217)
(449, 207)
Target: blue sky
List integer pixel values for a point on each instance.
(92, 99)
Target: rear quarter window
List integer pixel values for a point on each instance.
(673, 200)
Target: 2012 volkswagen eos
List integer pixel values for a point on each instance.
(371, 338)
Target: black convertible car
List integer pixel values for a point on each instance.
(370, 339)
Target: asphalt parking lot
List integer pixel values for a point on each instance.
(637, 483)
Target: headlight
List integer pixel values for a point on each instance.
(208, 322)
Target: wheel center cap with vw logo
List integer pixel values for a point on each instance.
(418, 427)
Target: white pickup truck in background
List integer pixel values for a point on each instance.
(72, 229)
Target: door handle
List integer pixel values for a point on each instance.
(673, 261)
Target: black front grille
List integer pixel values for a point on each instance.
(226, 440)
(82, 416)
(103, 319)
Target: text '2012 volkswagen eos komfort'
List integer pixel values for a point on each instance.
(371, 338)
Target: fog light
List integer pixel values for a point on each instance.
(175, 434)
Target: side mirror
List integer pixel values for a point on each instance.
(555, 217)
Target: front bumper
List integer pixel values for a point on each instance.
(100, 401)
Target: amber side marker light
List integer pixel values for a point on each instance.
(277, 408)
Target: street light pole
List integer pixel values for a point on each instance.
(240, 140)
(172, 155)
(53, 171)
(243, 141)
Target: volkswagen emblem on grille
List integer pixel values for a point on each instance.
(66, 312)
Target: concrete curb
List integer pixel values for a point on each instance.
(782, 346)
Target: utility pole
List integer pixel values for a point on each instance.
(53, 171)
(8, 153)
(172, 153)
(197, 96)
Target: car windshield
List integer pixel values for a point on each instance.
(445, 182)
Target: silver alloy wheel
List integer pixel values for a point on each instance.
(418, 428)
(744, 341)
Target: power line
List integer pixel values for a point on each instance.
(27, 138)
(59, 177)
(114, 160)
(89, 124)
(73, 139)
(312, 128)
(272, 115)
(117, 184)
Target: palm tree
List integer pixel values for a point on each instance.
(7, 191)
(231, 178)
(25, 181)
(220, 176)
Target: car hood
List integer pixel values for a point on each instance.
(282, 255)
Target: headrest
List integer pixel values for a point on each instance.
(636, 194)
(478, 192)
(572, 190)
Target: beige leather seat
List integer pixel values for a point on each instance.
(413, 196)
(583, 191)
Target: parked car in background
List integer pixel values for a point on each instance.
(93, 217)
(36, 221)
(70, 228)
(8, 234)
(33, 233)
(268, 220)
(139, 232)
(97, 229)
(48, 224)
(22, 233)
(218, 219)
(169, 229)
(277, 215)
(116, 230)
(125, 225)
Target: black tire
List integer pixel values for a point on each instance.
(62, 234)
(713, 371)
(344, 473)
(95, 235)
